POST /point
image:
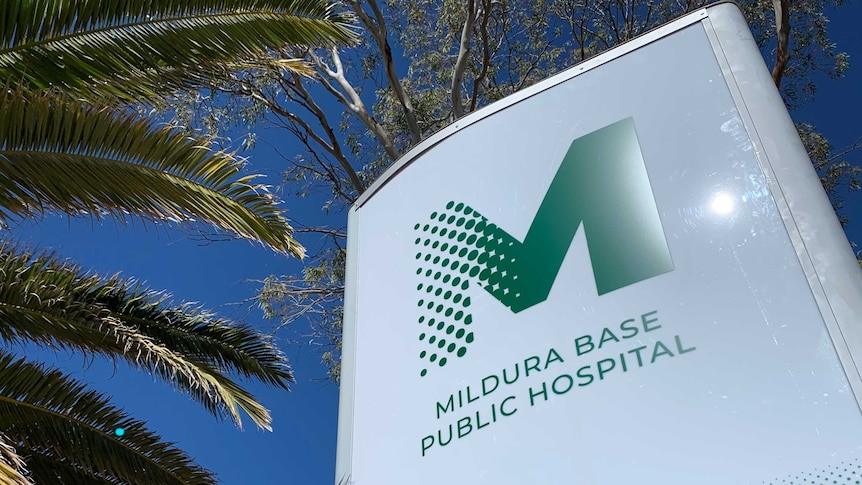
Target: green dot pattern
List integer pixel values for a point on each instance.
(845, 473)
(459, 249)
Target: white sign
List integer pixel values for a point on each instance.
(594, 283)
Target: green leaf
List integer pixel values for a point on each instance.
(122, 48)
(65, 433)
(57, 155)
(54, 304)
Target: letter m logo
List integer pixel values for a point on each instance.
(601, 186)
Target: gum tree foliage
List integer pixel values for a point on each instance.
(421, 65)
(70, 144)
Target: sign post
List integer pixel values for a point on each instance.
(627, 273)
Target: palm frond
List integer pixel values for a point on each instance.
(194, 332)
(207, 73)
(65, 156)
(122, 48)
(64, 430)
(60, 471)
(52, 303)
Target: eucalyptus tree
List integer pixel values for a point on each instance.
(72, 142)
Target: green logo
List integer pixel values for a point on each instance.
(601, 184)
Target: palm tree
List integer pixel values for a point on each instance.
(70, 143)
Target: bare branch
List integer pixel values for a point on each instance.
(856, 145)
(486, 54)
(377, 27)
(335, 233)
(337, 152)
(461, 61)
(354, 102)
(304, 131)
(782, 28)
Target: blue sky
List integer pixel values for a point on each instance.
(301, 450)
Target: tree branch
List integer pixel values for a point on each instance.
(353, 102)
(486, 54)
(461, 61)
(337, 152)
(782, 29)
(377, 27)
(856, 145)
(303, 131)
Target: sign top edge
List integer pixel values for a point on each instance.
(642, 40)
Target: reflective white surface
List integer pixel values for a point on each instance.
(754, 392)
